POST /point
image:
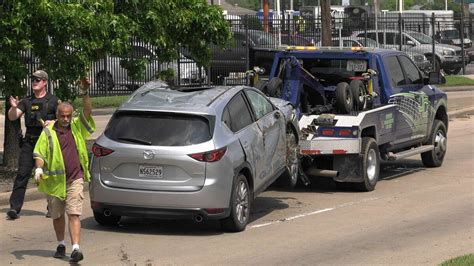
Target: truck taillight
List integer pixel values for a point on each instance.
(209, 156)
(344, 132)
(100, 151)
(328, 132)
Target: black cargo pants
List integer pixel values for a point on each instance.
(25, 168)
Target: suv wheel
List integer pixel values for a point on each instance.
(105, 82)
(452, 71)
(239, 206)
(289, 179)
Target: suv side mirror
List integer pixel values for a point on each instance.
(436, 78)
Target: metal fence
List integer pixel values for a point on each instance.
(412, 33)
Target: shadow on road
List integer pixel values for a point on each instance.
(26, 212)
(21, 254)
(261, 207)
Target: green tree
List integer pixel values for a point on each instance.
(67, 35)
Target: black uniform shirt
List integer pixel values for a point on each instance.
(35, 109)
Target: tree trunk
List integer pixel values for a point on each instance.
(326, 39)
(11, 147)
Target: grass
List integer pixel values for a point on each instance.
(460, 261)
(458, 81)
(102, 102)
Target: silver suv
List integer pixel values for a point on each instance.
(198, 154)
(448, 57)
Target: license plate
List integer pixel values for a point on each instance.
(150, 171)
(356, 65)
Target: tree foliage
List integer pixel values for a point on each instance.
(66, 36)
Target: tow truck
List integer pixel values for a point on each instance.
(358, 107)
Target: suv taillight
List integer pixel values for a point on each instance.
(209, 156)
(100, 151)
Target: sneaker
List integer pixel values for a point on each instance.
(60, 252)
(12, 214)
(76, 256)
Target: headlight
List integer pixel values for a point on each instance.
(448, 52)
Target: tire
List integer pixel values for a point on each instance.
(260, 85)
(239, 206)
(452, 71)
(437, 63)
(438, 138)
(274, 87)
(370, 164)
(359, 94)
(105, 82)
(289, 178)
(344, 98)
(111, 220)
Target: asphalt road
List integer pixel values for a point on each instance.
(415, 216)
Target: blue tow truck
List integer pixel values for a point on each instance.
(357, 107)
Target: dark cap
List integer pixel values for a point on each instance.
(40, 74)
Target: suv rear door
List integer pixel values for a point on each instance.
(150, 151)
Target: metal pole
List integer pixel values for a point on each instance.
(436, 68)
(462, 38)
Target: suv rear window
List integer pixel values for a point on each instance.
(158, 129)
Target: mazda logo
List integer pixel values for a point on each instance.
(148, 154)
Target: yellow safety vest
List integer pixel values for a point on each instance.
(48, 149)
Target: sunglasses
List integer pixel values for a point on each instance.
(36, 79)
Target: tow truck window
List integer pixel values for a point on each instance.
(395, 72)
(412, 74)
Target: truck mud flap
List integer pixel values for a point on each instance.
(349, 168)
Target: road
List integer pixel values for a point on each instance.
(415, 216)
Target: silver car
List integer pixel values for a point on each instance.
(109, 71)
(198, 154)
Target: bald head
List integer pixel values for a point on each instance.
(64, 114)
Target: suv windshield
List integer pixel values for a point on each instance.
(422, 38)
(158, 129)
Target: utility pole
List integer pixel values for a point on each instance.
(265, 15)
(326, 38)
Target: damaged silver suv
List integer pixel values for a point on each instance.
(197, 154)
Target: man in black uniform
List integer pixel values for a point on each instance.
(39, 110)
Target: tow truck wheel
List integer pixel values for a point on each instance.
(289, 178)
(359, 94)
(370, 163)
(438, 138)
(344, 98)
(274, 87)
(452, 71)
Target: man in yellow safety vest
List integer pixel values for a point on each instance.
(62, 167)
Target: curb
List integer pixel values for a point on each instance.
(456, 88)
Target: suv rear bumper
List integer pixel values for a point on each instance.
(157, 213)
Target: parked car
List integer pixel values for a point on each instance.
(351, 42)
(233, 59)
(109, 71)
(448, 57)
(205, 154)
(452, 37)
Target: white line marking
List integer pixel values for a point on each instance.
(311, 213)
